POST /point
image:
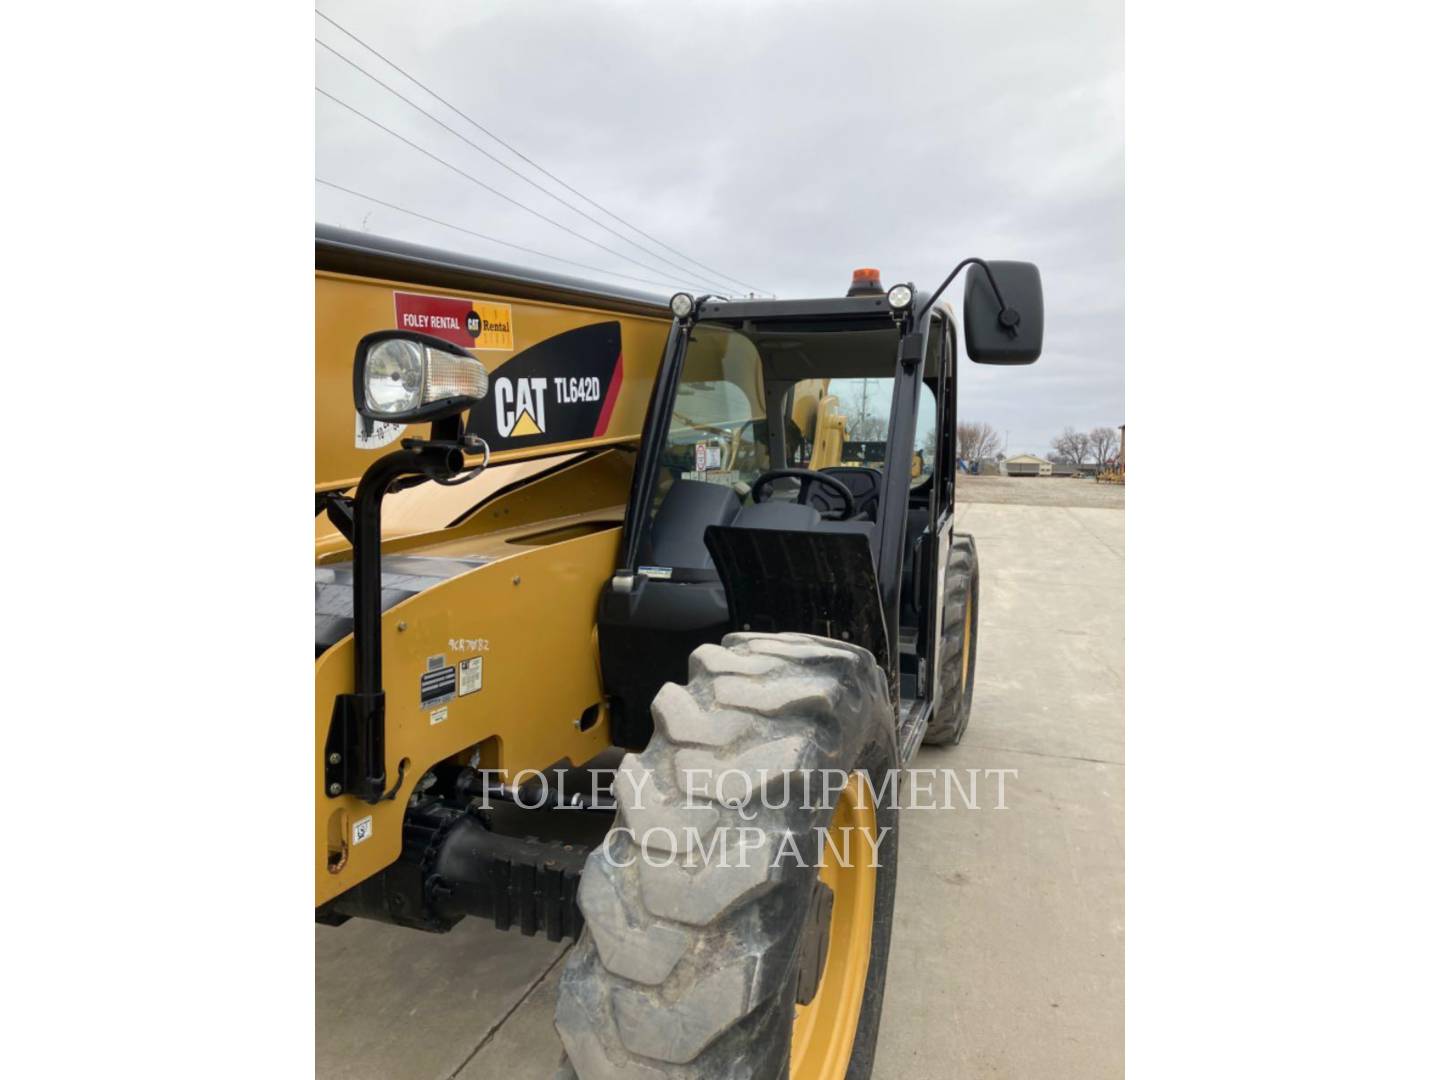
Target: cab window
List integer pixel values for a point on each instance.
(717, 428)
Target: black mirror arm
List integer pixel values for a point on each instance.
(1009, 317)
(355, 743)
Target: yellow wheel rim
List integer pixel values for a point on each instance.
(824, 1032)
(965, 647)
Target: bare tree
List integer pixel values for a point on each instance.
(976, 440)
(1104, 442)
(1072, 446)
(866, 408)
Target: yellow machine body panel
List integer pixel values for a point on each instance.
(529, 543)
(527, 615)
(583, 375)
(518, 618)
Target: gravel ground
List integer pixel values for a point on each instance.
(1039, 491)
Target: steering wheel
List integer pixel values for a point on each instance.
(760, 490)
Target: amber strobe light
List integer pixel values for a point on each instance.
(865, 281)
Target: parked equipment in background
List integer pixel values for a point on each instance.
(1114, 470)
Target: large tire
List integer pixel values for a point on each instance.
(957, 656)
(694, 973)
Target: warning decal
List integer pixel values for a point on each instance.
(437, 687)
(472, 674)
(559, 390)
(471, 324)
(373, 434)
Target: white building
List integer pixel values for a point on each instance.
(1027, 465)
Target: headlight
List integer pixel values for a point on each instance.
(681, 305)
(394, 377)
(900, 296)
(403, 377)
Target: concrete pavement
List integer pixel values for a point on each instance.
(1008, 955)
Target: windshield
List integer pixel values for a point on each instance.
(830, 393)
(751, 400)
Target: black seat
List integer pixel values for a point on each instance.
(677, 537)
(864, 484)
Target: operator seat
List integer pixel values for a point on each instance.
(677, 536)
(864, 485)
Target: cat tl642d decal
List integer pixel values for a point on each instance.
(560, 390)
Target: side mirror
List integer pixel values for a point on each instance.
(402, 377)
(1012, 335)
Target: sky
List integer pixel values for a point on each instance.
(783, 143)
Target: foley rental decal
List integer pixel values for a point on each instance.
(471, 324)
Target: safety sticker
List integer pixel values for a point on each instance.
(361, 830)
(373, 434)
(723, 477)
(471, 324)
(440, 715)
(471, 674)
(707, 457)
(437, 687)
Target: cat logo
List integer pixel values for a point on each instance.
(519, 406)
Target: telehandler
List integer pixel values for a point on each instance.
(557, 520)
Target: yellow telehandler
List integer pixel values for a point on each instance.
(566, 530)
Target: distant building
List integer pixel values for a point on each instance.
(1062, 468)
(1027, 465)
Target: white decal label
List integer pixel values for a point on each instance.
(659, 573)
(439, 716)
(380, 433)
(707, 457)
(361, 830)
(471, 675)
(723, 477)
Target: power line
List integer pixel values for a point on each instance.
(529, 161)
(510, 168)
(481, 183)
(489, 239)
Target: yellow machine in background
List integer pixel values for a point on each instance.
(1114, 471)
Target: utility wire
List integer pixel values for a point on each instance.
(530, 161)
(480, 183)
(488, 239)
(509, 168)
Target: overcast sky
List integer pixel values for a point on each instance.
(783, 143)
